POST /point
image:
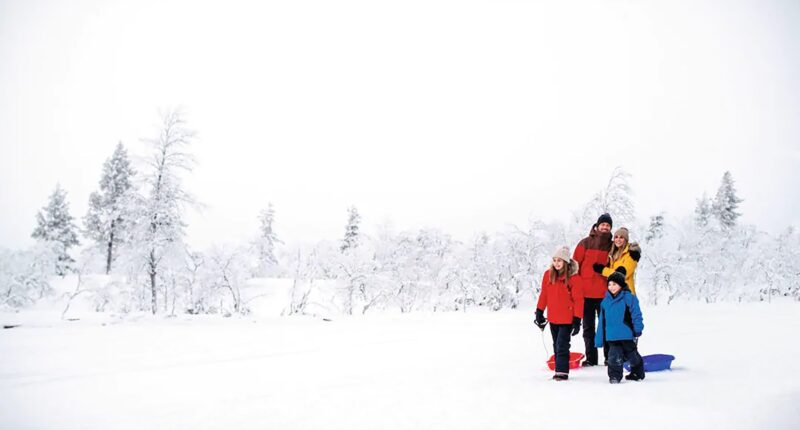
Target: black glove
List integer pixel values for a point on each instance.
(539, 320)
(637, 334)
(598, 268)
(636, 255)
(576, 325)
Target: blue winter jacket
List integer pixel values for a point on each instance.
(620, 318)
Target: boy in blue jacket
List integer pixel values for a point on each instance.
(620, 326)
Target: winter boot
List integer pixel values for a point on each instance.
(613, 381)
(633, 377)
(560, 376)
(587, 363)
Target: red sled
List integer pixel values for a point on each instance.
(574, 361)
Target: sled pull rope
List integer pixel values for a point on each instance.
(544, 344)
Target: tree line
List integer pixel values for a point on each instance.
(134, 230)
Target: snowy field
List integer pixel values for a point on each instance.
(734, 369)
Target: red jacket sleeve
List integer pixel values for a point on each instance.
(579, 254)
(577, 297)
(542, 304)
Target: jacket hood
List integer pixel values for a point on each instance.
(573, 268)
(594, 232)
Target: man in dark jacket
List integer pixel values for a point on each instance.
(593, 250)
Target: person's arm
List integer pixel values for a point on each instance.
(599, 336)
(607, 271)
(577, 297)
(579, 254)
(542, 303)
(636, 317)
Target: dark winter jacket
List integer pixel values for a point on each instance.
(561, 302)
(620, 318)
(592, 250)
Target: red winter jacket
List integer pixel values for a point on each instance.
(562, 303)
(591, 250)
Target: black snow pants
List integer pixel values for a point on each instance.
(561, 335)
(621, 351)
(591, 311)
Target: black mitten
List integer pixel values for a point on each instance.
(598, 268)
(539, 320)
(576, 325)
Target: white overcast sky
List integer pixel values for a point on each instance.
(464, 115)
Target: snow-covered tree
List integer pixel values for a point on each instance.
(351, 234)
(24, 274)
(195, 295)
(703, 211)
(266, 242)
(726, 203)
(161, 225)
(227, 270)
(656, 228)
(614, 198)
(108, 219)
(55, 224)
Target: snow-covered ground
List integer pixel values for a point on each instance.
(735, 368)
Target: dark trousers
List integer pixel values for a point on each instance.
(621, 351)
(591, 311)
(561, 335)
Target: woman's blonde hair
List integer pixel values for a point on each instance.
(616, 252)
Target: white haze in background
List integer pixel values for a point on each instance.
(464, 115)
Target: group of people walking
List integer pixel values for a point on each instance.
(594, 289)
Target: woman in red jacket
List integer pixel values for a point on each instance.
(563, 299)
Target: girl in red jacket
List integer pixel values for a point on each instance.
(563, 299)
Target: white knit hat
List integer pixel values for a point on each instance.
(562, 252)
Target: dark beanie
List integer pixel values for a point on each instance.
(605, 218)
(618, 277)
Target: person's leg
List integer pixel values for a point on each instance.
(562, 348)
(635, 360)
(615, 357)
(554, 335)
(591, 309)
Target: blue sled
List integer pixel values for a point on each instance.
(654, 362)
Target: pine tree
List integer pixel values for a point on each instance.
(656, 228)
(161, 226)
(726, 202)
(351, 230)
(267, 240)
(108, 217)
(703, 211)
(55, 224)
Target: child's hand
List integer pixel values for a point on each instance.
(540, 321)
(576, 325)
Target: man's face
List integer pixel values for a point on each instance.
(604, 227)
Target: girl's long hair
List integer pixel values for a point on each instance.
(564, 271)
